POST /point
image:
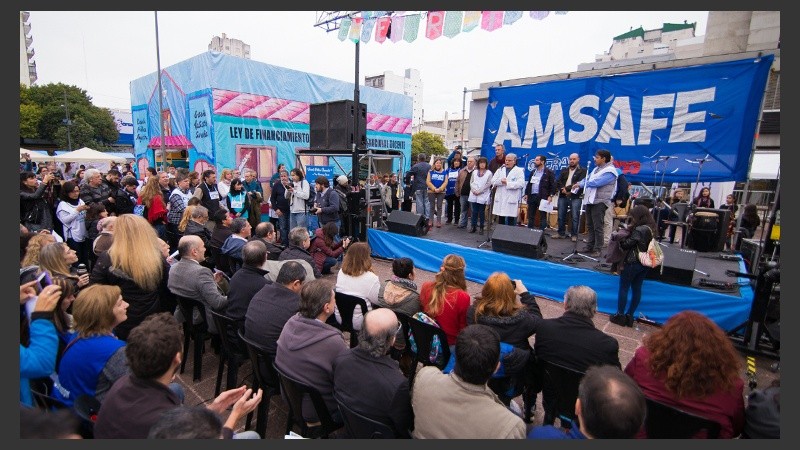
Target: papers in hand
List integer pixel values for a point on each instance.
(545, 206)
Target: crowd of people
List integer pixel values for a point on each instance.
(113, 333)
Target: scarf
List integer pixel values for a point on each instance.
(405, 282)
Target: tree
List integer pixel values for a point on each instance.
(428, 143)
(43, 115)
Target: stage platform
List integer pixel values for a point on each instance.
(550, 276)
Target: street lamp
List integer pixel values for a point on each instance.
(66, 121)
(463, 114)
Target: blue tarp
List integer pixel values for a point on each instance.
(706, 111)
(545, 279)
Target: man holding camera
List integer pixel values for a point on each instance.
(326, 204)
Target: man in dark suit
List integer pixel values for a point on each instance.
(572, 340)
(273, 305)
(541, 186)
(187, 278)
(388, 399)
(567, 200)
(248, 280)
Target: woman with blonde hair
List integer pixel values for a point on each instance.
(446, 299)
(224, 184)
(155, 208)
(691, 364)
(357, 278)
(57, 258)
(35, 245)
(95, 358)
(134, 263)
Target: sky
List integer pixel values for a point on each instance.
(102, 52)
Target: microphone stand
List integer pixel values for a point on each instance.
(661, 184)
(574, 254)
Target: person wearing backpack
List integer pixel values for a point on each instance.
(643, 227)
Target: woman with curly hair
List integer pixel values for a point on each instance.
(134, 263)
(690, 364)
(446, 299)
(155, 208)
(34, 247)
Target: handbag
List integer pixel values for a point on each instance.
(34, 216)
(653, 256)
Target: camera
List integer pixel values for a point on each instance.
(313, 210)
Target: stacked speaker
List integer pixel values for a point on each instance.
(331, 125)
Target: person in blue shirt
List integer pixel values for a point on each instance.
(437, 184)
(450, 195)
(610, 405)
(37, 353)
(237, 200)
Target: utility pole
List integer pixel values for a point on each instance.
(67, 122)
(160, 101)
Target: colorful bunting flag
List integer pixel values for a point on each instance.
(366, 29)
(471, 20)
(511, 17)
(398, 28)
(381, 28)
(355, 29)
(452, 23)
(435, 24)
(539, 15)
(412, 28)
(491, 20)
(344, 28)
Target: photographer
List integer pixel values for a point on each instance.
(327, 205)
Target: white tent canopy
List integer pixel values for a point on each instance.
(35, 156)
(86, 154)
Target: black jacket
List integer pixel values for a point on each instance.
(580, 173)
(124, 201)
(547, 185)
(374, 387)
(639, 239)
(516, 329)
(573, 341)
(295, 252)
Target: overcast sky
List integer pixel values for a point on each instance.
(102, 52)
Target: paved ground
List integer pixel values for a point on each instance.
(629, 339)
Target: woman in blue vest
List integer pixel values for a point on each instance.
(237, 200)
(95, 358)
(450, 194)
(437, 184)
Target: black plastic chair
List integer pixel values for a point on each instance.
(266, 378)
(423, 338)
(666, 422)
(193, 332)
(232, 354)
(359, 426)
(346, 304)
(293, 391)
(559, 392)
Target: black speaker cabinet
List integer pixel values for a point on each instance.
(405, 222)
(679, 264)
(331, 125)
(519, 241)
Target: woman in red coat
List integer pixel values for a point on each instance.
(446, 299)
(690, 364)
(155, 209)
(323, 249)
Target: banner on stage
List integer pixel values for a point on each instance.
(660, 122)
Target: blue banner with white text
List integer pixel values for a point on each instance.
(672, 123)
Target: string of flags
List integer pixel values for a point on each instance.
(399, 27)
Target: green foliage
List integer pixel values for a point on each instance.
(43, 115)
(428, 143)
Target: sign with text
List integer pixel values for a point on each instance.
(670, 122)
(312, 172)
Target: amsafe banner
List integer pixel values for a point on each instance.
(670, 122)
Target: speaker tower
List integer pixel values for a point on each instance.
(331, 125)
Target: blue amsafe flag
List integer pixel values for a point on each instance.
(681, 116)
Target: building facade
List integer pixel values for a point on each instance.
(233, 47)
(409, 84)
(27, 66)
